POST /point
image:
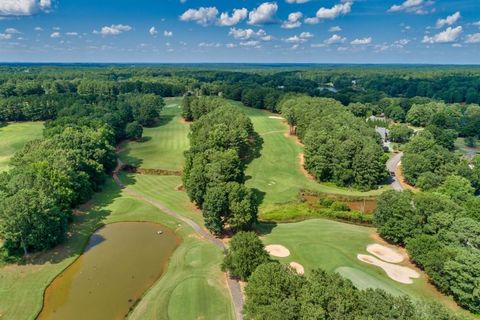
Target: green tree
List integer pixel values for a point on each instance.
(134, 130)
(245, 254)
(31, 219)
(395, 217)
(400, 133)
(459, 189)
(273, 292)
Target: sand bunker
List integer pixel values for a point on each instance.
(398, 273)
(297, 267)
(276, 117)
(277, 250)
(385, 253)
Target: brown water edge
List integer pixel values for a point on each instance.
(120, 263)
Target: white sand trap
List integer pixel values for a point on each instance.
(297, 267)
(276, 117)
(385, 253)
(398, 273)
(277, 250)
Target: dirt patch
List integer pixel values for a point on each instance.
(277, 250)
(385, 253)
(302, 167)
(183, 121)
(297, 267)
(288, 135)
(180, 187)
(401, 179)
(398, 273)
(277, 117)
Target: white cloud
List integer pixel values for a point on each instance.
(263, 14)
(331, 13)
(12, 31)
(301, 38)
(39, 29)
(251, 43)
(476, 24)
(473, 38)
(231, 45)
(297, 1)
(448, 35)
(293, 20)
(153, 31)
(237, 16)
(5, 36)
(401, 43)
(412, 6)
(294, 39)
(203, 16)
(113, 30)
(55, 34)
(23, 7)
(306, 35)
(209, 45)
(206, 16)
(247, 34)
(167, 33)
(448, 20)
(335, 29)
(362, 41)
(335, 39)
(72, 34)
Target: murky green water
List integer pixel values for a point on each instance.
(121, 261)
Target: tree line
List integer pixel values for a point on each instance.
(221, 140)
(50, 176)
(441, 231)
(338, 146)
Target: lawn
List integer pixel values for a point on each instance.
(163, 145)
(193, 272)
(277, 174)
(14, 136)
(333, 246)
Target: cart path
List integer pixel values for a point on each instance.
(392, 164)
(233, 286)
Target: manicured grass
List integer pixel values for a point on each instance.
(277, 173)
(333, 246)
(163, 144)
(14, 136)
(23, 285)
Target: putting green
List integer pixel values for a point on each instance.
(163, 145)
(333, 246)
(277, 173)
(14, 136)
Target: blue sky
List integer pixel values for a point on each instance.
(307, 31)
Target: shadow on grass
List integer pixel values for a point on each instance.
(128, 159)
(163, 120)
(255, 149)
(264, 228)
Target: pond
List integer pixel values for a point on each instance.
(120, 263)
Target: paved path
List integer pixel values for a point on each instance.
(392, 164)
(233, 285)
